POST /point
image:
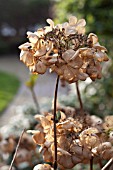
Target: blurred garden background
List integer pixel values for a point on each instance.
(19, 16)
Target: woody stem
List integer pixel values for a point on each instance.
(54, 119)
(79, 96)
(91, 163)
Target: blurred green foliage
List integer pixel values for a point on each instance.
(98, 14)
(97, 96)
(9, 85)
(32, 81)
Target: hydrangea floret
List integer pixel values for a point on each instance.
(65, 49)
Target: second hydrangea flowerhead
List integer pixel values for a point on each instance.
(65, 49)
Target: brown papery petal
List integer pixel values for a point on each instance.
(38, 138)
(68, 55)
(66, 161)
(76, 159)
(47, 156)
(40, 67)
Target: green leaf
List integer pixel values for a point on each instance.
(58, 116)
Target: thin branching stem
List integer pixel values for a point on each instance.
(79, 96)
(108, 164)
(54, 119)
(91, 163)
(16, 150)
(35, 99)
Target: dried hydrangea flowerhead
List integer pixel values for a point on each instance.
(65, 49)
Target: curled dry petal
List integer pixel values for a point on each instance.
(25, 46)
(26, 57)
(44, 121)
(33, 38)
(38, 138)
(93, 38)
(49, 21)
(65, 125)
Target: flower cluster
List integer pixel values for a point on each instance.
(65, 49)
(79, 137)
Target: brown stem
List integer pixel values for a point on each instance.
(16, 150)
(54, 119)
(35, 100)
(91, 163)
(79, 96)
(108, 164)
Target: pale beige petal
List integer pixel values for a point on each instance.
(33, 38)
(25, 46)
(49, 21)
(80, 30)
(26, 57)
(70, 30)
(47, 29)
(81, 23)
(72, 20)
(40, 32)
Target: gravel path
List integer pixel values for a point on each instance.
(44, 86)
